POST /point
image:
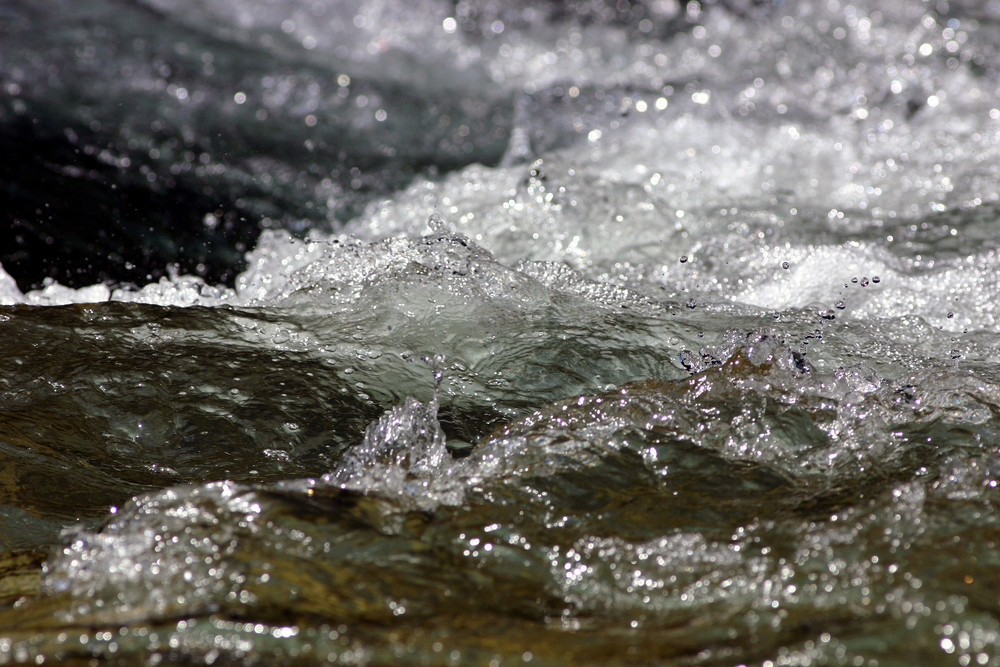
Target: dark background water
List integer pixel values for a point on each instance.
(124, 150)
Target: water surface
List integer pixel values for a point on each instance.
(584, 334)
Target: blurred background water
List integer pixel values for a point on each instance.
(636, 332)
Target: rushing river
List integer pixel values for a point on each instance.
(386, 332)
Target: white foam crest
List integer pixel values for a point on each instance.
(327, 271)
(814, 275)
(403, 455)
(111, 571)
(958, 297)
(634, 194)
(55, 294)
(657, 189)
(177, 290)
(865, 282)
(9, 293)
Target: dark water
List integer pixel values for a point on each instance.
(571, 333)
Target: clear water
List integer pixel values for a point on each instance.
(704, 372)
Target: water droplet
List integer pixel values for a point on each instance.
(876, 279)
(955, 354)
(684, 258)
(784, 265)
(864, 281)
(950, 315)
(691, 303)
(840, 305)
(854, 279)
(437, 224)
(827, 314)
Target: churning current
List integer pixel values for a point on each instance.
(481, 332)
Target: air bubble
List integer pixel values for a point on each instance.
(876, 279)
(684, 258)
(864, 282)
(784, 265)
(840, 305)
(691, 303)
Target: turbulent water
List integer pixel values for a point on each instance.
(577, 333)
